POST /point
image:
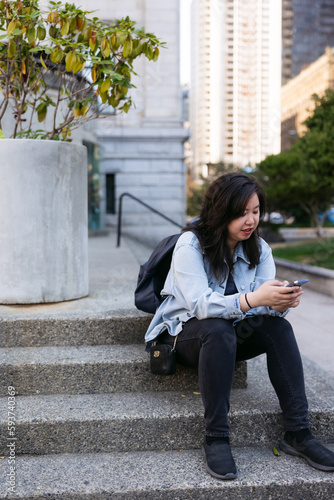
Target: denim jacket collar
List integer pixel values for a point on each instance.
(239, 252)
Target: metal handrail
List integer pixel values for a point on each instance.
(119, 225)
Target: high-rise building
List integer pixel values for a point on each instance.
(297, 103)
(235, 81)
(206, 89)
(287, 35)
(307, 28)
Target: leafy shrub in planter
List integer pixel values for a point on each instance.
(88, 65)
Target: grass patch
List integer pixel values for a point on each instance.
(319, 252)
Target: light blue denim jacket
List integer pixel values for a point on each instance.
(192, 290)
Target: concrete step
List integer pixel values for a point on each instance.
(92, 423)
(99, 329)
(164, 475)
(91, 370)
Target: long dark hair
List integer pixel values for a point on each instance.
(225, 200)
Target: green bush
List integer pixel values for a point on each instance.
(88, 64)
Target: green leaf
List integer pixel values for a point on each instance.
(156, 54)
(127, 48)
(126, 107)
(93, 45)
(11, 26)
(116, 76)
(114, 41)
(105, 86)
(94, 74)
(11, 49)
(43, 63)
(143, 47)
(113, 101)
(73, 25)
(53, 31)
(79, 66)
(71, 60)
(105, 47)
(2, 134)
(276, 452)
(17, 32)
(65, 28)
(41, 33)
(41, 111)
(56, 56)
(149, 53)
(31, 34)
(121, 37)
(104, 97)
(35, 13)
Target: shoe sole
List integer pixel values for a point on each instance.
(291, 451)
(229, 475)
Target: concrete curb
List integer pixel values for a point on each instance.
(321, 279)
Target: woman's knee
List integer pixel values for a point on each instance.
(280, 327)
(279, 332)
(218, 332)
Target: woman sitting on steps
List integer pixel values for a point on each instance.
(225, 305)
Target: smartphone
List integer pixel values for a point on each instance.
(298, 283)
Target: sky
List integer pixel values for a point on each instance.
(185, 41)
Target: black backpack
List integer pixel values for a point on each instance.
(153, 274)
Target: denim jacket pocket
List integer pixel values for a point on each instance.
(257, 283)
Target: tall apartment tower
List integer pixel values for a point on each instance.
(236, 77)
(206, 91)
(307, 29)
(287, 40)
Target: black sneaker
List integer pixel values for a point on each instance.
(219, 460)
(312, 450)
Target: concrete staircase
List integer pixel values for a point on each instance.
(92, 422)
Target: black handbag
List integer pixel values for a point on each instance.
(163, 359)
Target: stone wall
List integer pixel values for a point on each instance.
(147, 163)
(144, 149)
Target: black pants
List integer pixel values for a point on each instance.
(214, 345)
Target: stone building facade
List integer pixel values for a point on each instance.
(142, 153)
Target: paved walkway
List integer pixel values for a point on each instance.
(113, 275)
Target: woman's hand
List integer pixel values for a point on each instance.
(276, 295)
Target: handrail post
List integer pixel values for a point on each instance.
(120, 204)
(119, 225)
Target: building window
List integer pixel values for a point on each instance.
(111, 199)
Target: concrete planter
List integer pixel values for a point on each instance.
(43, 221)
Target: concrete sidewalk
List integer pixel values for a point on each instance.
(113, 275)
